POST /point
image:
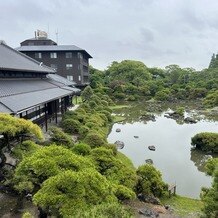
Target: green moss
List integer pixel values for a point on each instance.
(183, 206)
(117, 119)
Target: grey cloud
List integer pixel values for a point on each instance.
(157, 32)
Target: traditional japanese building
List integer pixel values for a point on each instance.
(31, 90)
(69, 61)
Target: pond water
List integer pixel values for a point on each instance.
(173, 155)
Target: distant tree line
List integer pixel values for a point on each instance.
(133, 80)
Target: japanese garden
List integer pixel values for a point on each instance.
(76, 168)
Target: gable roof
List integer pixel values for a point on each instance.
(51, 48)
(12, 60)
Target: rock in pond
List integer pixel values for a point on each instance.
(190, 120)
(136, 137)
(118, 130)
(151, 147)
(149, 161)
(119, 144)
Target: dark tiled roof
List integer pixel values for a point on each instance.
(61, 79)
(51, 48)
(17, 86)
(13, 60)
(4, 109)
(20, 102)
(17, 95)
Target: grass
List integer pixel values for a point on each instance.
(118, 106)
(183, 206)
(117, 119)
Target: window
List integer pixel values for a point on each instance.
(69, 55)
(53, 55)
(70, 78)
(80, 56)
(38, 55)
(69, 66)
(79, 78)
(54, 66)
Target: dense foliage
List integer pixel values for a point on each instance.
(132, 80)
(210, 196)
(15, 128)
(150, 181)
(87, 177)
(206, 141)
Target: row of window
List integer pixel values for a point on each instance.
(68, 66)
(54, 55)
(70, 77)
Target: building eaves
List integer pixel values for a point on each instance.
(51, 48)
(13, 60)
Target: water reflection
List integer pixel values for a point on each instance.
(173, 155)
(200, 158)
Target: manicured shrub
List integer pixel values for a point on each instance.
(112, 147)
(60, 138)
(107, 114)
(124, 193)
(24, 149)
(81, 149)
(206, 141)
(87, 93)
(68, 192)
(113, 168)
(94, 140)
(91, 125)
(106, 210)
(150, 181)
(83, 131)
(92, 104)
(70, 125)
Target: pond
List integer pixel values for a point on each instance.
(173, 155)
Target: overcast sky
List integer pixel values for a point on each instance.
(157, 32)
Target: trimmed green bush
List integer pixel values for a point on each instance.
(60, 138)
(81, 149)
(206, 141)
(70, 125)
(94, 140)
(150, 181)
(124, 193)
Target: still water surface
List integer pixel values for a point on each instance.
(173, 156)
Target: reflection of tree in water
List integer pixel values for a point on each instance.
(137, 112)
(200, 158)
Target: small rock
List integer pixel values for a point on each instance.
(149, 161)
(136, 137)
(148, 199)
(151, 147)
(118, 130)
(119, 144)
(148, 213)
(190, 120)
